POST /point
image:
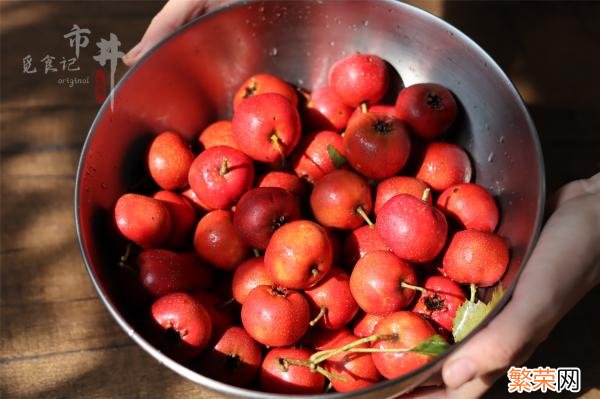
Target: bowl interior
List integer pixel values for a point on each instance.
(187, 82)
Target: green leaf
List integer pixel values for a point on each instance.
(470, 314)
(434, 345)
(337, 158)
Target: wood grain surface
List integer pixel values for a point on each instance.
(57, 338)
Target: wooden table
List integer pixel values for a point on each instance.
(59, 341)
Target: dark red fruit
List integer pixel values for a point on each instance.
(359, 78)
(476, 257)
(249, 275)
(441, 301)
(377, 145)
(217, 241)
(412, 228)
(164, 272)
(365, 325)
(263, 210)
(234, 359)
(325, 110)
(339, 198)
(410, 330)
(299, 255)
(278, 376)
(143, 220)
(266, 127)
(169, 160)
(185, 324)
(471, 205)
(220, 175)
(332, 301)
(444, 165)
(428, 108)
(275, 316)
(317, 155)
(183, 218)
(264, 83)
(376, 283)
(221, 315)
(395, 185)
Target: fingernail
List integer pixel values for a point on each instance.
(134, 51)
(458, 372)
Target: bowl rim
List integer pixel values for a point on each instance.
(227, 389)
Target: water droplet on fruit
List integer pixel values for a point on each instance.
(490, 157)
(104, 186)
(273, 52)
(261, 9)
(300, 82)
(501, 140)
(332, 43)
(365, 23)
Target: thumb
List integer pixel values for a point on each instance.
(174, 14)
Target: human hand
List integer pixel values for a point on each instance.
(174, 14)
(564, 266)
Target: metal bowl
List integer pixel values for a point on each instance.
(186, 82)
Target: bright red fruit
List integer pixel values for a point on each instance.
(277, 376)
(413, 229)
(429, 109)
(266, 127)
(377, 145)
(183, 217)
(249, 275)
(264, 83)
(395, 185)
(217, 241)
(164, 272)
(185, 324)
(143, 220)
(263, 210)
(234, 359)
(476, 257)
(169, 160)
(275, 316)
(333, 298)
(471, 205)
(360, 242)
(220, 175)
(359, 78)
(410, 330)
(199, 206)
(376, 282)
(218, 133)
(440, 302)
(357, 370)
(338, 199)
(285, 180)
(365, 325)
(325, 110)
(444, 165)
(299, 255)
(314, 157)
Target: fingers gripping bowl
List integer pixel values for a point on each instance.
(187, 82)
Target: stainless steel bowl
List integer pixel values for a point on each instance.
(187, 81)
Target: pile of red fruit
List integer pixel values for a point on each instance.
(264, 267)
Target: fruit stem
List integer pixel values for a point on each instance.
(125, 256)
(363, 214)
(412, 287)
(321, 314)
(426, 194)
(323, 355)
(224, 167)
(277, 144)
(363, 107)
(123, 260)
(473, 288)
(225, 304)
(256, 252)
(329, 375)
(286, 363)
